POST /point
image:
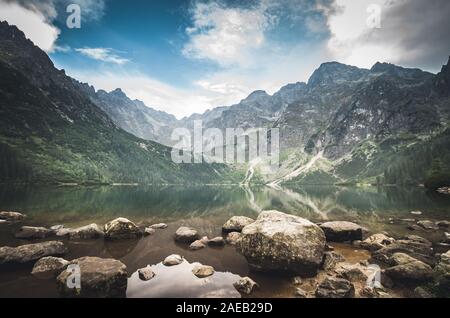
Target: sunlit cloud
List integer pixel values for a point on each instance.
(107, 55)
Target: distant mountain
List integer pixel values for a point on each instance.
(52, 130)
(362, 122)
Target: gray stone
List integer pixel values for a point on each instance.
(342, 231)
(87, 232)
(217, 241)
(121, 228)
(408, 269)
(415, 246)
(427, 225)
(421, 292)
(332, 287)
(12, 216)
(376, 242)
(149, 231)
(159, 226)
(245, 285)
(203, 271)
(100, 278)
(56, 228)
(236, 224)
(173, 260)
(146, 273)
(31, 232)
(441, 273)
(331, 259)
(49, 267)
(197, 245)
(443, 224)
(186, 235)
(31, 252)
(282, 242)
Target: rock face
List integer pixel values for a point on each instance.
(146, 273)
(342, 231)
(30, 232)
(11, 216)
(121, 228)
(408, 269)
(29, 253)
(280, 242)
(376, 242)
(173, 260)
(100, 278)
(186, 235)
(202, 271)
(49, 267)
(415, 246)
(245, 285)
(87, 232)
(236, 224)
(332, 287)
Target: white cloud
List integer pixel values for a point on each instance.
(36, 18)
(103, 54)
(226, 35)
(413, 33)
(33, 23)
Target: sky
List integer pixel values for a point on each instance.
(187, 56)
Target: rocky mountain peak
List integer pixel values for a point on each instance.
(398, 71)
(442, 80)
(335, 73)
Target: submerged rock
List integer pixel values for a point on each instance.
(342, 231)
(87, 232)
(149, 231)
(159, 226)
(146, 273)
(11, 216)
(282, 242)
(121, 228)
(332, 287)
(236, 224)
(100, 278)
(186, 235)
(173, 260)
(408, 269)
(427, 225)
(31, 252)
(49, 267)
(245, 285)
(31, 232)
(197, 245)
(217, 241)
(376, 242)
(202, 271)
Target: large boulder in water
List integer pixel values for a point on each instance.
(408, 269)
(87, 232)
(281, 242)
(99, 278)
(31, 232)
(11, 216)
(186, 235)
(342, 231)
(31, 252)
(121, 228)
(49, 267)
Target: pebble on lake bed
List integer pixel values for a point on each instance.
(245, 285)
